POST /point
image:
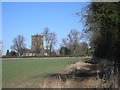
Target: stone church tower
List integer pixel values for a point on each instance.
(37, 44)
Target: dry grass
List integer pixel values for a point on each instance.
(81, 82)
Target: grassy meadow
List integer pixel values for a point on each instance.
(31, 72)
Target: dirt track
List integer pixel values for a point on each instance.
(78, 75)
(83, 74)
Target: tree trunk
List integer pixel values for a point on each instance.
(50, 49)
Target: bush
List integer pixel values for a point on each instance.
(3, 56)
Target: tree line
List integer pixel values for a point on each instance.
(102, 26)
(70, 46)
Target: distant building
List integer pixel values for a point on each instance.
(36, 42)
(36, 46)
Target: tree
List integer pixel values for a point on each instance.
(72, 40)
(62, 51)
(18, 44)
(65, 51)
(52, 41)
(46, 36)
(12, 53)
(7, 53)
(84, 49)
(102, 21)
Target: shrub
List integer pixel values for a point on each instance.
(3, 56)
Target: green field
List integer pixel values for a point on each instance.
(30, 72)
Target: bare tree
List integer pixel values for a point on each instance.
(18, 44)
(52, 41)
(65, 42)
(72, 40)
(46, 36)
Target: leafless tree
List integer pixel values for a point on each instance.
(52, 41)
(18, 44)
(46, 36)
(65, 42)
(72, 40)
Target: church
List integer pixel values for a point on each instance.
(37, 48)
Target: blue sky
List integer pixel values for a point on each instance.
(29, 18)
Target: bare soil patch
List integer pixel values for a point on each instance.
(82, 74)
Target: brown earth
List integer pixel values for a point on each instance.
(79, 75)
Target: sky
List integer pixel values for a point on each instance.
(30, 18)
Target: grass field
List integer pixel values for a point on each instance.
(31, 72)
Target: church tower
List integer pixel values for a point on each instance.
(37, 44)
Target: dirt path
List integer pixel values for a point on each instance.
(78, 75)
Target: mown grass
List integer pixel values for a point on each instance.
(30, 72)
